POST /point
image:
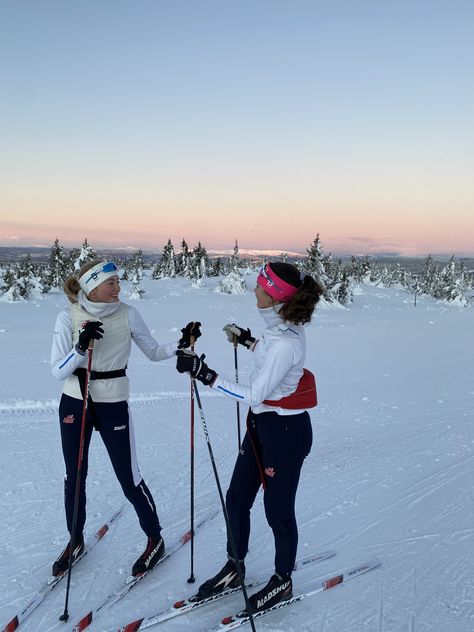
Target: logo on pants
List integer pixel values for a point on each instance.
(269, 471)
(69, 419)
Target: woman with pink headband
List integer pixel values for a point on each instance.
(279, 434)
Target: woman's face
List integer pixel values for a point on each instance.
(263, 299)
(107, 292)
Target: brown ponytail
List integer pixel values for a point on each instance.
(71, 285)
(300, 307)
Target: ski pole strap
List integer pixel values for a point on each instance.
(253, 440)
(101, 375)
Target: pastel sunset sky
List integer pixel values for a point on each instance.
(131, 121)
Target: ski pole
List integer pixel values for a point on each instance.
(230, 534)
(191, 578)
(65, 615)
(237, 380)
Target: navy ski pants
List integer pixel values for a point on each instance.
(114, 425)
(282, 442)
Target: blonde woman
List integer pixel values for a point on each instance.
(96, 313)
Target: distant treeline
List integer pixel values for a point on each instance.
(451, 280)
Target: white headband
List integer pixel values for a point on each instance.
(97, 275)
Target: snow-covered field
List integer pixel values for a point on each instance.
(391, 473)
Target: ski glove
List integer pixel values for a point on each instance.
(90, 330)
(191, 329)
(190, 362)
(244, 336)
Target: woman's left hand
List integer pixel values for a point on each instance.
(190, 362)
(192, 330)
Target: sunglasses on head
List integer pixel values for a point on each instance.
(107, 267)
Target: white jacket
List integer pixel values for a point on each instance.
(279, 361)
(65, 358)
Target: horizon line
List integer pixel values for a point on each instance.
(252, 251)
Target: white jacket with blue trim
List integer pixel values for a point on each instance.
(279, 360)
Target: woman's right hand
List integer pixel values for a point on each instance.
(90, 330)
(242, 336)
(190, 334)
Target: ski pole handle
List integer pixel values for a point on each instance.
(91, 343)
(235, 341)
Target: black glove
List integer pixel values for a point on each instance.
(190, 362)
(90, 330)
(191, 329)
(244, 336)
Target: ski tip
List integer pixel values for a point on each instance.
(83, 623)
(333, 581)
(179, 604)
(102, 531)
(133, 627)
(12, 625)
(186, 537)
(227, 620)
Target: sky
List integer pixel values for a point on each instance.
(133, 121)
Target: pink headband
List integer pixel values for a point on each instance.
(274, 286)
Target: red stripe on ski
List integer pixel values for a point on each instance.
(83, 623)
(333, 581)
(13, 625)
(186, 537)
(102, 531)
(134, 626)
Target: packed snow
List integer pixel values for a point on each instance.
(390, 475)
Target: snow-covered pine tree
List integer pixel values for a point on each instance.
(235, 259)
(30, 275)
(199, 262)
(21, 281)
(428, 276)
(233, 283)
(343, 290)
(313, 265)
(137, 264)
(369, 270)
(136, 289)
(166, 268)
(352, 269)
(12, 288)
(58, 265)
(183, 261)
(215, 267)
(86, 254)
(449, 286)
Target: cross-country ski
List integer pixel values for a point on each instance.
(241, 618)
(132, 581)
(192, 603)
(52, 582)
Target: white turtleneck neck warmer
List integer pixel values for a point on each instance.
(98, 310)
(271, 315)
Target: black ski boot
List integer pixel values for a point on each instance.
(278, 589)
(227, 577)
(61, 565)
(155, 549)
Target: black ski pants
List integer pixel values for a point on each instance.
(274, 447)
(114, 425)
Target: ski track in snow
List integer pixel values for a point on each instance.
(390, 474)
